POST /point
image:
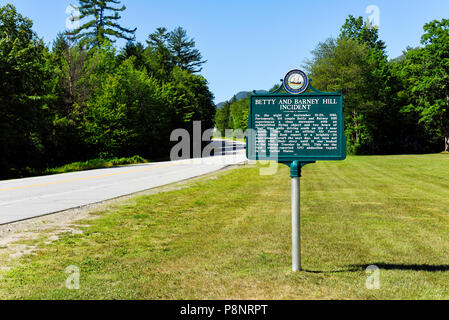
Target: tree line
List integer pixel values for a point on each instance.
(233, 116)
(391, 106)
(82, 98)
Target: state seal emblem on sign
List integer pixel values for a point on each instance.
(296, 82)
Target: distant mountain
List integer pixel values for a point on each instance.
(239, 96)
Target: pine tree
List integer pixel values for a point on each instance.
(183, 50)
(133, 50)
(104, 25)
(161, 57)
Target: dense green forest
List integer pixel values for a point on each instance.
(82, 98)
(390, 106)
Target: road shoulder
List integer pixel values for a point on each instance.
(23, 237)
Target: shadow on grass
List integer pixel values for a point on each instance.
(387, 266)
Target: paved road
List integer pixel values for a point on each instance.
(32, 197)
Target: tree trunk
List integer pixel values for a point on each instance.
(70, 99)
(70, 75)
(446, 144)
(356, 125)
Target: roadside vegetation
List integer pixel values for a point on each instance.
(95, 164)
(393, 105)
(84, 98)
(229, 238)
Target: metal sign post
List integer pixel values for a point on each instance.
(296, 127)
(296, 215)
(295, 174)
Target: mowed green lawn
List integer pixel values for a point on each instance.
(229, 238)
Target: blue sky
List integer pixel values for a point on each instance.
(252, 44)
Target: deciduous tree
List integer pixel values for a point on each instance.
(23, 94)
(426, 73)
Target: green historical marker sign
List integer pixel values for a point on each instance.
(296, 128)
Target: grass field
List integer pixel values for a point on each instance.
(229, 238)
